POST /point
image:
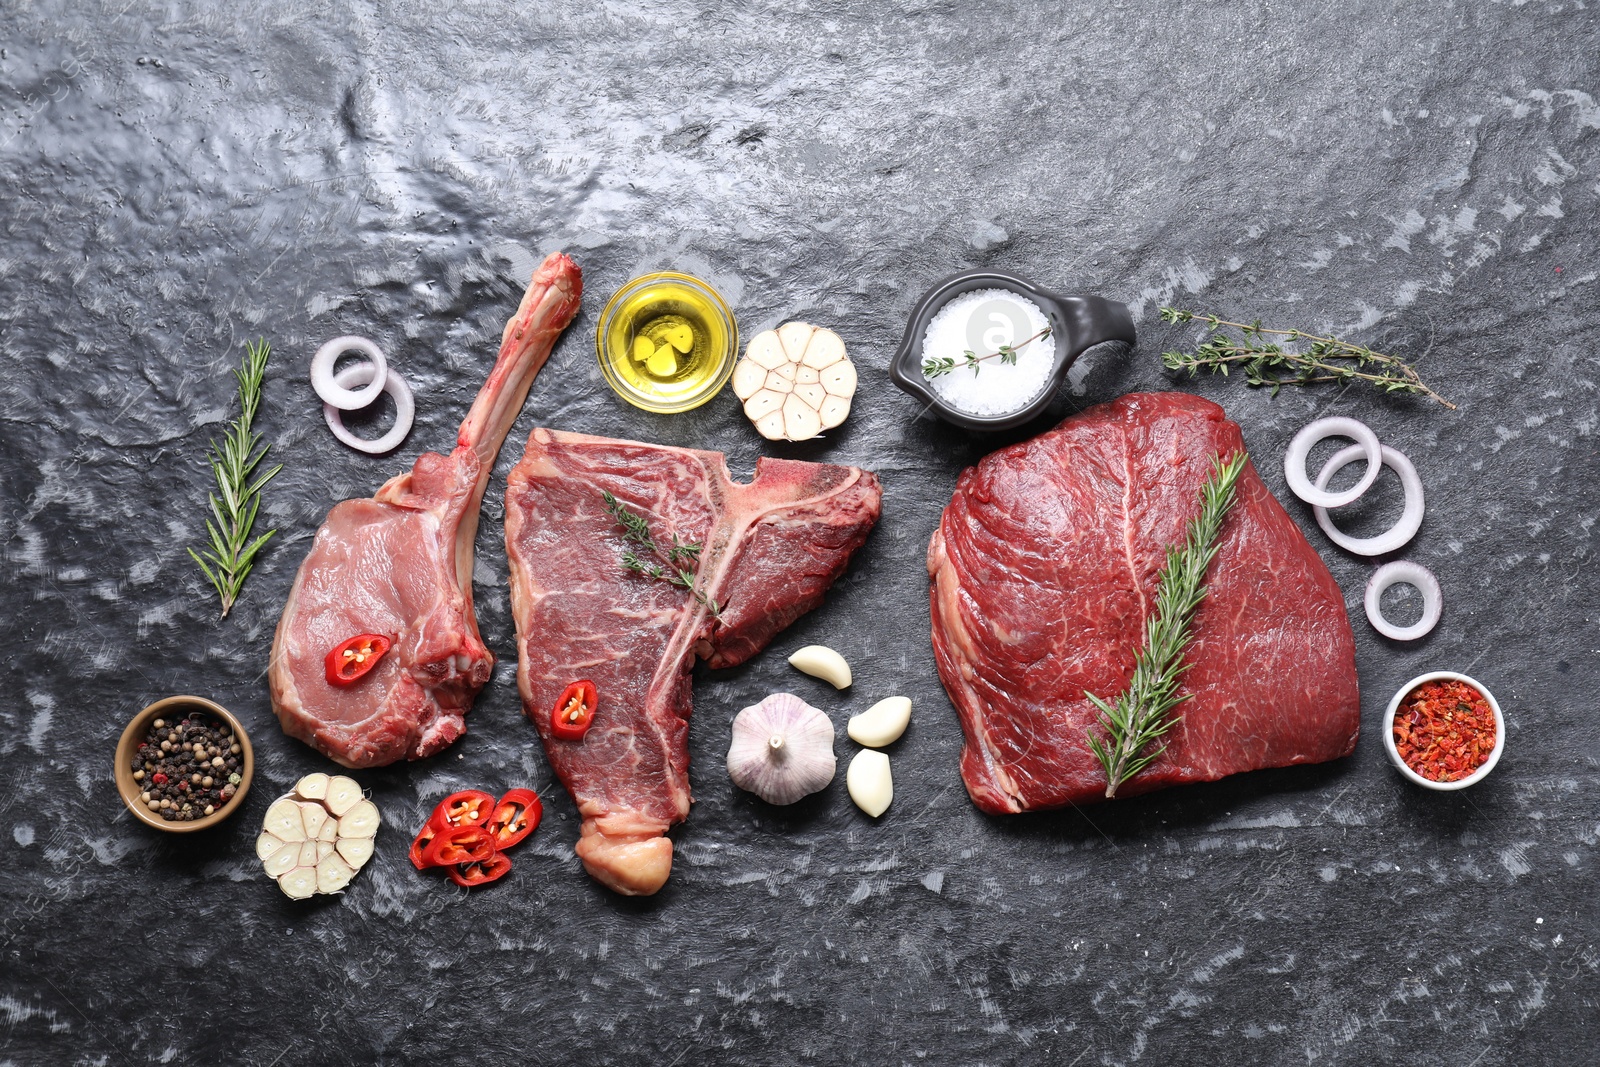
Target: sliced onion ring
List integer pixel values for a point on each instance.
(1294, 461)
(1405, 527)
(1404, 572)
(405, 410)
(329, 387)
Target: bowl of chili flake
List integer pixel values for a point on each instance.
(1444, 730)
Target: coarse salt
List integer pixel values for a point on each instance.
(980, 322)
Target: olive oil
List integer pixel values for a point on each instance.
(666, 342)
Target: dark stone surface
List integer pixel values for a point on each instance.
(174, 184)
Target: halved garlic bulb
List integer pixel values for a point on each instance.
(782, 749)
(314, 839)
(795, 381)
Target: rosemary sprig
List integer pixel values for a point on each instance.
(1325, 359)
(678, 556)
(1144, 713)
(934, 366)
(234, 505)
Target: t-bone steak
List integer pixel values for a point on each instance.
(400, 564)
(1044, 568)
(770, 550)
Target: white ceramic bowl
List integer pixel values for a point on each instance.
(1427, 783)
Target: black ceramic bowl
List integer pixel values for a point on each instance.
(1077, 322)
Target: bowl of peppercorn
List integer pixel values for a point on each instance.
(184, 763)
(1444, 731)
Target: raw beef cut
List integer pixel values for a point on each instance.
(400, 564)
(1044, 567)
(771, 548)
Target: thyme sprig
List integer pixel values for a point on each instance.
(934, 366)
(1266, 363)
(233, 461)
(671, 564)
(1147, 709)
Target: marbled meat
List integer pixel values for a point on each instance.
(1044, 569)
(770, 550)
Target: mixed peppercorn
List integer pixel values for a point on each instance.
(1444, 730)
(187, 769)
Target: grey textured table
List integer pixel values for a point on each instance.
(175, 184)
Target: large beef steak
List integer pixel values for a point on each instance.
(1044, 567)
(769, 550)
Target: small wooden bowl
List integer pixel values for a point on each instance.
(133, 737)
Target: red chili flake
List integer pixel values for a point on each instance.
(1444, 730)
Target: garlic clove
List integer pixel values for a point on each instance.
(833, 411)
(312, 816)
(299, 884)
(330, 830)
(748, 376)
(820, 661)
(766, 351)
(870, 783)
(312, 787)
(779, 382)
(355, 850)
(267, 844)
(283, 820)
(643, 348)
(795, 336)
(762, 403)
(324, 850)
(882, 724)
(333, 874)
(281, 862)
(308, 854)
(800, 420)
(840, 379)
(343, 794)
(782, 749)
(679, 337)
(360, 821)
(663, 363)
(770, 425)
(825, 349)
(813, 394)
(804, 375)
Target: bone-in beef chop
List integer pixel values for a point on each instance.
(400, 564)
(770, 549)
(1044, 569)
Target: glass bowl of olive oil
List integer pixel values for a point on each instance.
(666, 342)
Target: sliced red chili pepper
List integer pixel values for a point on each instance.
(470, 807)
(352, 658)
(515, 817)
(574, 712)
(458, 844)
(424, 837)
(479, 872)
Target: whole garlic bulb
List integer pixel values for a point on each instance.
(795, 381)
(782, 749)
